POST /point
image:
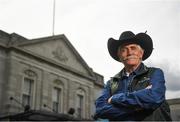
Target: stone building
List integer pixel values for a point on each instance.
(175, 108)
(47, 74)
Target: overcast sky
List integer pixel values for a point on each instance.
(89, 23)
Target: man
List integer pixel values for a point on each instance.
(137, 92)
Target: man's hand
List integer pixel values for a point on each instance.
(109, 100)
(148, 87)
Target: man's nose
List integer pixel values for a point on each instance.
(129, 51)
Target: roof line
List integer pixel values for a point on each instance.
(51, 62)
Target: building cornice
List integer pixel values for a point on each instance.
(47, 61)
(173, 101)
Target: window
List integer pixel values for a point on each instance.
(80, 106)
(80, 103)
(27, 91)
(56, 97)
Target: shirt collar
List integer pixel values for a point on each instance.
(140, 70)
(135, 72)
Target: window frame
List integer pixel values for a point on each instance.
(31, 95)
(59, 99)
(59, 85)
(80, 93)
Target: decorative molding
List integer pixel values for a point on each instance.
(80, 91)
(30, 73)
(58, 82)
(59, 54)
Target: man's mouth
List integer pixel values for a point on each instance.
(130, 57)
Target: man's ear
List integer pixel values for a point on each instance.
(118, 55)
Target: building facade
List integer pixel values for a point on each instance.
(175, 108)
(45, 74)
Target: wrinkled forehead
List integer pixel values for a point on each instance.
(128, 45)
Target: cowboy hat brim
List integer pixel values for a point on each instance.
(141, 39)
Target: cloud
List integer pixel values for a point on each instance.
(171, 95)
(173, 83)
(171, 73)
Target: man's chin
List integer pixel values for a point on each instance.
(133, 63)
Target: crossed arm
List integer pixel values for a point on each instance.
(119, 105)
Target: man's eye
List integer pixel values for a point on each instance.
(123, 50)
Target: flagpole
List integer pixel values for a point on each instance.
(53, 26)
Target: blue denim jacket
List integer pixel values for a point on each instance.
(125, 102)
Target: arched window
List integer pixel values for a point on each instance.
(28, 90)
(57, 96)
(80, 103)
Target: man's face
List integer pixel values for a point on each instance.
(130, 54)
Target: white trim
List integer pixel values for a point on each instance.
(60, 86)
(81, 92)
(33, 92)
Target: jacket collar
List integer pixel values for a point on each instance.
(140, 70)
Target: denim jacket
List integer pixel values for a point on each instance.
(130, 101)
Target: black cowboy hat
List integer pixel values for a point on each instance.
(129, 37)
